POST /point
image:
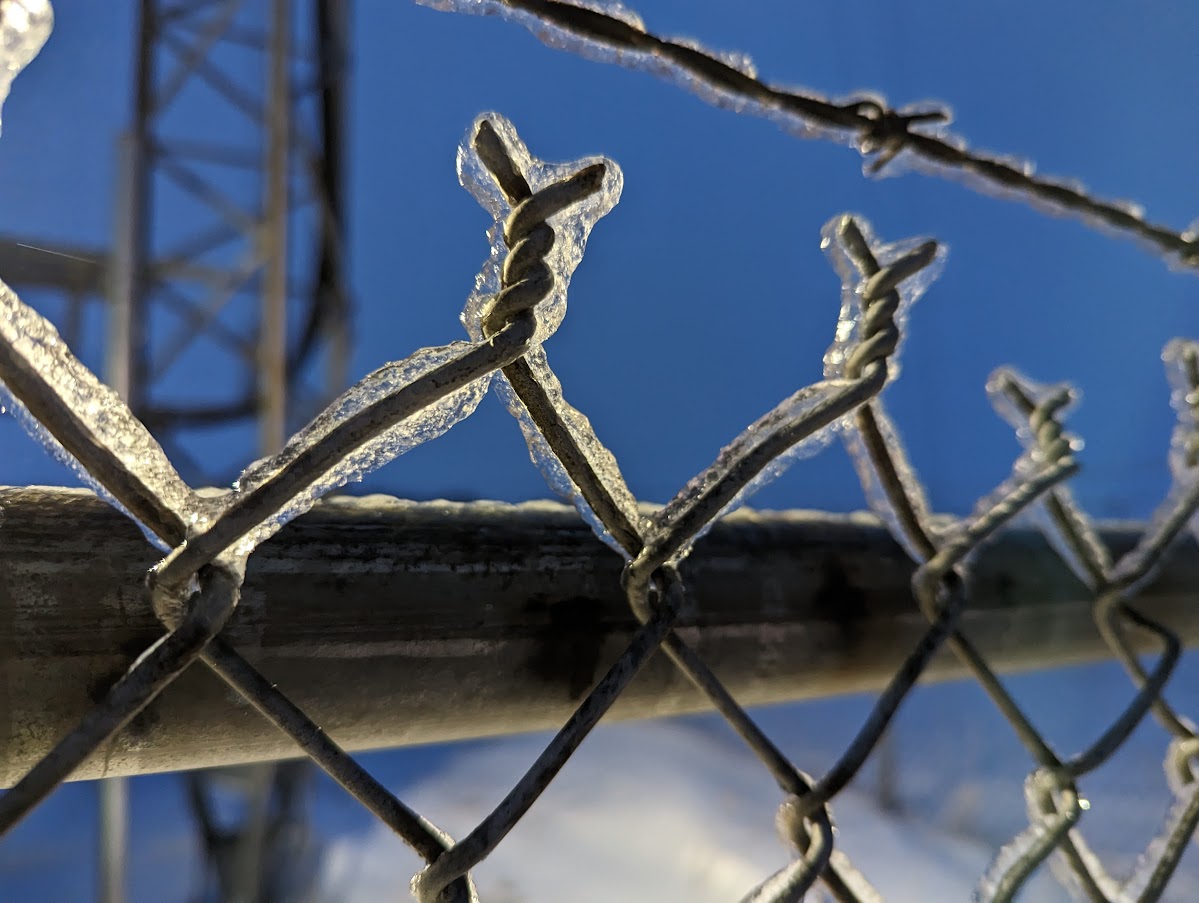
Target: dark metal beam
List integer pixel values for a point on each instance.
(395, 622)
(30, 263)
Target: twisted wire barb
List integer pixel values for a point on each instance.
(1114, 586)
(879, 131)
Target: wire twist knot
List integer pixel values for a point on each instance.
(526, 278)
(881, 302)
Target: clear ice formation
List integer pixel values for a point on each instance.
(1093, 555)
(66, 384)
(848, 334)
(977, 176)
(572, 226)
(426, 424)
(590, 48)
(24, 27)
(601, 461)
(1181, 357)
(711, 92)
(782, 416)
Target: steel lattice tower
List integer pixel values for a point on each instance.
(230, 229)
(228, 261)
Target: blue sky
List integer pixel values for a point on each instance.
(704, 298)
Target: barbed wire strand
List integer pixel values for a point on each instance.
(880, 130)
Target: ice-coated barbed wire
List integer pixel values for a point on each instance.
(1072, 533)
(919, 134)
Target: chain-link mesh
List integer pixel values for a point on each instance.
(542, 215)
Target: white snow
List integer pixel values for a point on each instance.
(653, 811)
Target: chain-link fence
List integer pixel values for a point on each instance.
(543, 214)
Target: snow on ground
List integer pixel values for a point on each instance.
(654, 811)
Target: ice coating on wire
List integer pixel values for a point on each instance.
(601, 461)
(571, 226)
(1181, 357)
(1004, 387)
(790, 410)
(24, 27)
(99, 409)
(1030, 847)
(1179, 824)
(647, 60)
(969, 174)
(849, 320)
(836, 359)
(428, 423)
(1010, 855)
(1068, 877)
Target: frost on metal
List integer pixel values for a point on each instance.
(24, 27)
(778, 419)
(1181, 357)
(636, 49)
(599, 458)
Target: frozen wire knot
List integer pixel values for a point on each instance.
(1040, 407)
(880, 333)
(888, 130)
(526, 278)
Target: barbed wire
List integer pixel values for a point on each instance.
(889, 138)
(542, 216)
